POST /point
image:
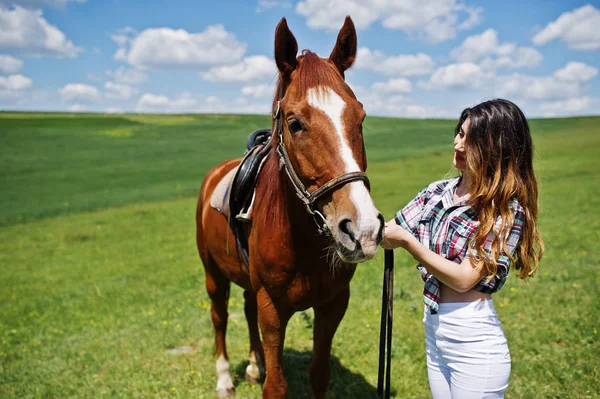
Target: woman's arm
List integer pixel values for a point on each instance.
(460, 277)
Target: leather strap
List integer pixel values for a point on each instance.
(309, 199)
(385, 333)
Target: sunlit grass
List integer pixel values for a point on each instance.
(91, 302)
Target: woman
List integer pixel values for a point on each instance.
(465, 233)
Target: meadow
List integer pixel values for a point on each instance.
(100, 278)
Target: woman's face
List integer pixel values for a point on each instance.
(460, 154)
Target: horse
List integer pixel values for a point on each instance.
(313, 218)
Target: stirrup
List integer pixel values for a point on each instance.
(244, 217)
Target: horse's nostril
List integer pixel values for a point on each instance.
(345, 227)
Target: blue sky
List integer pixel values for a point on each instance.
(416, 58)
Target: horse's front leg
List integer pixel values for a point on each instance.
(327, 320)
(273, 321)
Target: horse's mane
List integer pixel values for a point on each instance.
(311, 71)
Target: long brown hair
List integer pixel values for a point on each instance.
(500, 165)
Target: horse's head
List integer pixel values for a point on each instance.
(322, 133)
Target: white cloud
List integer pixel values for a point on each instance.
(415, 111)
(113, 110)
(268, 4)
(15, 83)
(572, 106)
(128, 76)
(10, 64)
(396, 65)
(77, 108)
(190, 103)
(165, 48)
(460, 76)
(40, 95)
(124, 36)
(13, 89)
(257, 91)
(79, 93)
(93, 77)
(564, 86)
(118, 91)
(538, 88)
(498, 55)
(26, 32)
(150, 100)
(522, 57)
(381, 103)
(576, 71)
(41, 3)
(564, 83)
(399, 85)
(253, 68)
(435, 20)
(578, 29)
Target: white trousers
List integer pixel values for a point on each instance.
(467, 353)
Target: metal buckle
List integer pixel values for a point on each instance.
(321, 228)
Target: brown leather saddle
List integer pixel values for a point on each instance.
(233, 196)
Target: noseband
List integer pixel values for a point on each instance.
(309, 199)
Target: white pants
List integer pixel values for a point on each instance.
(467, 354)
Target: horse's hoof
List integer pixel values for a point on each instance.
(224, 393)
(252, 374)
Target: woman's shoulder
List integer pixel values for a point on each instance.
(438, 187)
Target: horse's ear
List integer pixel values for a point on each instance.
(344, 52)
(286, 48)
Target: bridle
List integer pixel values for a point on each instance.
(309, 199)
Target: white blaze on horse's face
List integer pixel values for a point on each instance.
(356, 231)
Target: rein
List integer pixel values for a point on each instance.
(385, 333)
(309, 199)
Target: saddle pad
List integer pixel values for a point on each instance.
(220, 197)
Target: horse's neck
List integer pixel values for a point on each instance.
(287, 215)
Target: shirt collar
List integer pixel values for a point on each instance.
(448, 192)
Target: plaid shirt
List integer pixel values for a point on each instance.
(447, 229)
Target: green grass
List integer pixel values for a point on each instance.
(91, 299)
(59, 164)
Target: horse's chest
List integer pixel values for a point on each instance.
(306, 291)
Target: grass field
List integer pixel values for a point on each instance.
(100, 276)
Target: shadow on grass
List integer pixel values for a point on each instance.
(343, 383)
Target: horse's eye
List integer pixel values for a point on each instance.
(295, 126)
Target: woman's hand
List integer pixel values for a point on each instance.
(395, 236)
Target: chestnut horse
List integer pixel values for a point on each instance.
(317, 137)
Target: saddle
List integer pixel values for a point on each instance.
(234, 195)
(244, 181)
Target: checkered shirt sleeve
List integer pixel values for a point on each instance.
(409, 216)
